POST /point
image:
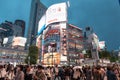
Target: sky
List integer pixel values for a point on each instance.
(102, 15)
(15, 9)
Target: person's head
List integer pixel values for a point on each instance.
(20, 68)
(109, 68)
(28, 68)
(48, 67)
(40, 67)
(56, 65)
(98, 67)
(1, 66)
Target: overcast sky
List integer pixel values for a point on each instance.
(102, 15)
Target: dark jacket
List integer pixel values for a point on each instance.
(111, 75)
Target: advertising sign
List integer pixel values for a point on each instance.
(56, 13)
(19, 41)
(41, 24)
(8, 40)
(101, 44)
(51, 58)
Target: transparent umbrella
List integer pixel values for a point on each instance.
(77, 67)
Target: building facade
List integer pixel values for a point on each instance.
(75, 44)
(17, 30)
(37, 11)
(59, 43)
(10, 50)
(14, 56)
(8, 32)
(91, 42)
(62, 44)
(21, 23)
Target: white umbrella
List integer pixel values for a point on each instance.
(77, 67)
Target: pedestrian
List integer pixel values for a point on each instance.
(110, 74)
(10, 75)
(2, 72)
(56, 70)
(48, 73)
(67, 73)
(62, 73)
(40, 74)
(28, 73)
(19, 73)
(88, 73)
(76, 74)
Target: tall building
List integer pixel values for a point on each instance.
(6, 30)
(37, 11)
(92, 42)
(17, 30)
(74, 44)
(11, 50)
(9, 31)
(61, 43)
(87, 33)
(21, 23)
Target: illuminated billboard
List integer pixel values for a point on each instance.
(19, 41)
(56, 13)
(101, 44)
(8, 40)
(51, 58)
(41, 24)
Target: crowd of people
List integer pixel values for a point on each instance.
(28, 72)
